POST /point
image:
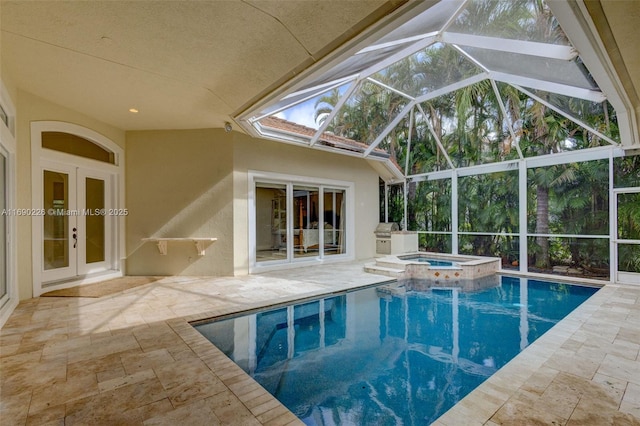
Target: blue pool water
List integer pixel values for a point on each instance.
(432, 262)
(387, 356)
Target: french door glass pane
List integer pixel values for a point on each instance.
(306, 225)
(56, 221)
(95, 221)
(271, 222)
(3, 226)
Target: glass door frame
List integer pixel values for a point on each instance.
(316, 231)
(70, 268)
(290, 181)
(9, 300)
(622, 276)
(5, 250)
(76, 222)
(8, 147)
(114, 264)
(85, 268)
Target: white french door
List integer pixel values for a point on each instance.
(77, 232)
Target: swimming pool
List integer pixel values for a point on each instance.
(388, 355)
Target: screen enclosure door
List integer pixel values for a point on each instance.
(627, 240)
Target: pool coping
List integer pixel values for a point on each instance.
(478, 407)
(530, 373)
(253, 395)
(465, 268)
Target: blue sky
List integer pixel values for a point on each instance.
(301, 114)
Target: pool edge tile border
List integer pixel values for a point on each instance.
(477, 407)
(514, 375)
(212, 356)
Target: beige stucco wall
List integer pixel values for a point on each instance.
(274, 157)
(179, 184)
(31, 108)
(190, 183)
(194, 183)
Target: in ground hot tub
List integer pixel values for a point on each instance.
(435, 269)
(430, 261)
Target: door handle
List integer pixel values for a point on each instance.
(75, 237)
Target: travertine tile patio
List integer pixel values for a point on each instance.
(132, 358)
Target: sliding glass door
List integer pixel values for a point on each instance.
(306, 228)
(296, 221)
(334, 213)
(317, 225)
(271, 221)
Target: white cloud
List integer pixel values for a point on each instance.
(302, 114)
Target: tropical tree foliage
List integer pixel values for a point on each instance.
(429, 211)
(488, 204)
(467, 127)
(627, 174)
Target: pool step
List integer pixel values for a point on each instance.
(374, 268)
(389, 264)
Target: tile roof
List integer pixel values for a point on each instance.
(327, 138)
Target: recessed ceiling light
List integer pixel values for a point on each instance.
(133, 110)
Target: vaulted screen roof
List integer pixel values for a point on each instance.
(461, 83)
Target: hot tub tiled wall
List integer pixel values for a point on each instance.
(468, 268)
(464, 285)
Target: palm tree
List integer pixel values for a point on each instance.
(542, 133)
(325, 104)
(472, 130)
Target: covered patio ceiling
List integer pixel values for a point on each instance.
(401, 91)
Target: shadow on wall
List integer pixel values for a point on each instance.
(179, 185)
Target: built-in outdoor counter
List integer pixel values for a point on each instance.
(201, 243)
(404, 242)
